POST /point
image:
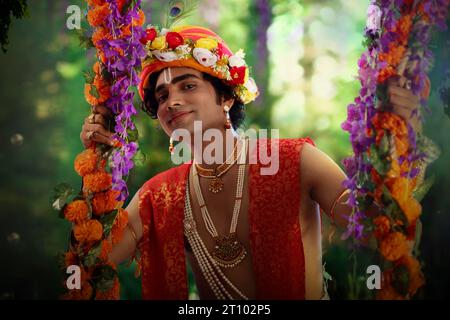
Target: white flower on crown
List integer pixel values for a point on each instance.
(237, 60)
(165, 56)
(251, 85)
(163, 32)
(183, 50)
(204, 57)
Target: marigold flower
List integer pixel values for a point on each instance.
(88, 231)
(96, 67)
(76, 211)
(401, 145)
(102, 57)
(93, 3)
(389, 293)
(126, 30)
(416, 277)
(106, 249)
(404, 26)
(140, 20)
(96, 15)
(104, 202)
(70, 258)
(119, 225)
(97, 181)
(394, 246)
(394, 171)
(103, 89)
(85, 293)
(385, 74)
(112, 294)
(401, 189)
(92, 100)
(100, 34)
(86, 162)
(394, 56)
(382, 226)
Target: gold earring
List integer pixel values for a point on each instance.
(226, 109)
(171, 148)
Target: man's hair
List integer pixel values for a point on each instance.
(223, 91)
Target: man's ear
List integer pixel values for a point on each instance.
(227, 102)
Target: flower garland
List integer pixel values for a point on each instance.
(388, 154)
(96, 213)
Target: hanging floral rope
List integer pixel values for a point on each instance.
(389, 156)
(96, 212)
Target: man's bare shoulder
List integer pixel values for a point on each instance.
(308, 154)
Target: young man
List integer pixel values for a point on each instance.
(263, 242)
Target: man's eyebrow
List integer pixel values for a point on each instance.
(177, 79)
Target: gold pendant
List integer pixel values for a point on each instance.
(216, 185)
(228, 251)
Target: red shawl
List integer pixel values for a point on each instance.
(275, 237)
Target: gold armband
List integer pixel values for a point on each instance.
(338, 201)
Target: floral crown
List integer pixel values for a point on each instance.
(198, 48)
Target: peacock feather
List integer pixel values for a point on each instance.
(179, 10)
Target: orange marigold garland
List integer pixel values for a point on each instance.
(96, 213)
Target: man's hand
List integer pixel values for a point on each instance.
(404, 103)
(95, 127)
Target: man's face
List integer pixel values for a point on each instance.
(183, 96)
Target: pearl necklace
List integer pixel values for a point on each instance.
(209, 265)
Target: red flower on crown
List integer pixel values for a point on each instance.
(150, 35)
(237, 75)
(174, 39)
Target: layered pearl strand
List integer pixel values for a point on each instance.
(211, 268)
(228, 250)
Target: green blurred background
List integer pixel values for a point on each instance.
(306, 73)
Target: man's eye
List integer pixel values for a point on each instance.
(189, 86)
(162, 98)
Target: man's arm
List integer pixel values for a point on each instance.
(323, 178)
(125, 249)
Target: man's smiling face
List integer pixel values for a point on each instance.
(183, 96)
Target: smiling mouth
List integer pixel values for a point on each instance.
(178, 116)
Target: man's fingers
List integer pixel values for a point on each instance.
(397, 81)
(396, 90)
(405, 102)
(104, 111)
(98, 137)
(87, 136)
(96, 118)
(97, 128)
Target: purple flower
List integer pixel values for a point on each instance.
(124, 54)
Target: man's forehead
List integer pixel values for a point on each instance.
(176, 72)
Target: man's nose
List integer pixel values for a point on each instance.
(174, 100)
